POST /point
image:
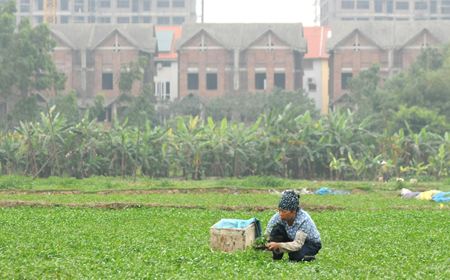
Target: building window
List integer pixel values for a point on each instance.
(418, 5)
(402, 5)
(64, 19)
(390, 7)
(123, 3)
(79, 6)
(347, 18)
(24, 6)
(123, 20)
(107, 81)
(177, 20)
(163, 4)
(345, 79)
(135, 19)
(135, 6)
(389, 18)
(362, 5)
(378, 7)
(379, 18)
(362, 19)
(78, 20)
(348, 4)
(279, 80)
(445, 9)
(401, 19)
(260, 80)
(433, 7)
(163, 20)
(147, 5)
(104, 20)
(91, 5)
(64, 5)
(308, 64)
(178, 4)
(163, 90)
(163, 63)
(40, 5)
(39, 19)
(105, 4)
(146, 19)
(193, 81)
(312, 86)
(91, 19)
(211, 81)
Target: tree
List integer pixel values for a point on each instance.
(131, 73)
(141, 109)
(26, 60)
(66, 104)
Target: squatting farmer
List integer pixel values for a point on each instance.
(292, 231)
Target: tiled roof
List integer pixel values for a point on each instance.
(176, 34)
(89, 36)
(388, 35)
(242, 35)
(316, 37)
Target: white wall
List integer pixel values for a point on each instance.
(168, 74)
(315, 73)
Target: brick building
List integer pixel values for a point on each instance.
(218, 59)
(394, 46)
(332, 11)
(91, 57)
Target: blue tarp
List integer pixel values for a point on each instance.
(441, 197)
(240, 224)
(325, 190)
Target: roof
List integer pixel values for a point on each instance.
(242, 35)
(388, 34)
(316, 37)
(175, 35)
(90, 36)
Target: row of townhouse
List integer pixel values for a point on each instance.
(212, 60)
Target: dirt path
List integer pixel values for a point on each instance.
(119, 205)
(158, 191)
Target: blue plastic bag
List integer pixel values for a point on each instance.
(441, 197)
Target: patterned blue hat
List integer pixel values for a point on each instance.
(289, 201)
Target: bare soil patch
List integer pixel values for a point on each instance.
(159, 191)
(120, 205)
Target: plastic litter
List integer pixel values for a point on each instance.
(240, 224)
(428, 195)
(441, 197)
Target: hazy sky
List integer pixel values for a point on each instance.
(258, 11)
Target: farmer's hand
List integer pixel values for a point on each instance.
(272, 246)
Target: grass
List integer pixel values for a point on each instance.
(100, 183)
(349, 202)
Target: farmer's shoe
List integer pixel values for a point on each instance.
(309, 258)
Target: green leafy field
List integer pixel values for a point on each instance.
(373, 234)
(157, 243)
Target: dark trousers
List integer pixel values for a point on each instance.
(385, 177)
(309, 248)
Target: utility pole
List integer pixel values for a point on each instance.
(203, 10)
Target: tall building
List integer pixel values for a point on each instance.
(381, 10)
(158, 12)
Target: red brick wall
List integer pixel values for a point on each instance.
(364, 58)
(223, 60)
(99, 61)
